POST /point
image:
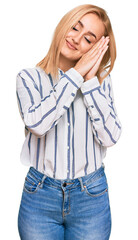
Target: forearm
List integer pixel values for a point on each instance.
(105, 122)
(42, 114)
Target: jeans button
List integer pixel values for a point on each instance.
(64, 184)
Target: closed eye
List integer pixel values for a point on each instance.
(74, 29)
(87, 40)
(85, 37)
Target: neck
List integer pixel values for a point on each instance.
(65, 64)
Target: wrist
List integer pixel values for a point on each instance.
(88, 78)
(78, 70)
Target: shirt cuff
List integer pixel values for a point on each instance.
(75, 77)
(90, 84)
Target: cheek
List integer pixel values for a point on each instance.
(85, 48)
(70, 34)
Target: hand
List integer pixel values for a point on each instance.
(95, 68)
(89, 63)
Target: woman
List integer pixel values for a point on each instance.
(66, 103)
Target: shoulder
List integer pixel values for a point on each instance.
(34, 78)
(28, 72)
(34, 74)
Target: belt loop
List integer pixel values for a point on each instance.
(82, 187)
(42, 181)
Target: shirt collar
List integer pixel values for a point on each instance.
(60, 71)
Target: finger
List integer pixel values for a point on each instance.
(96, 45)
(104, 44)
(96, 56)
(100, 44)
(101, 47)
(102, 54)
(97, 50)
(101, 41)
(97, 63)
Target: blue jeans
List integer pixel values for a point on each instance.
(69, 209)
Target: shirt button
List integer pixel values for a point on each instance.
(68, 124)
(67, 170)
(67, 147)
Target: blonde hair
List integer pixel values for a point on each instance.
(50, 62)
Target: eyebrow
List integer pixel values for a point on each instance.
(88, 31)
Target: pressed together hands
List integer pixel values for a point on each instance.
(89, 63)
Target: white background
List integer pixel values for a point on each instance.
(26, 32)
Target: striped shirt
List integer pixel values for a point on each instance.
(68, 125)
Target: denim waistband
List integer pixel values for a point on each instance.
(67, 183)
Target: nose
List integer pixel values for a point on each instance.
(76, 39)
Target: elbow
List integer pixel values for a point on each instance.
(37, 129)
(37, 132)
(112, 139)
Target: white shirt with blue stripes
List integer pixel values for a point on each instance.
(68, 125)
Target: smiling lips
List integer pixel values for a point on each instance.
(70, 45)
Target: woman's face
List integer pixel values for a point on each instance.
(82, 37)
